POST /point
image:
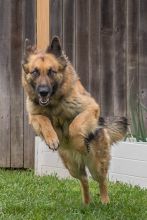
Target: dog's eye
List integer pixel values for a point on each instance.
(35, 73)
(51, 72)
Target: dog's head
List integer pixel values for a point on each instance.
(44, 71)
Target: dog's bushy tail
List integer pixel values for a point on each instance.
(117, 130)
(107, 132)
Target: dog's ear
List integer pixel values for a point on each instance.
(25, 67)
(28, 50)
(55, 47)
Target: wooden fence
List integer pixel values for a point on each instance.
(17, 19)
(106, 40)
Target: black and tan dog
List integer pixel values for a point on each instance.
(65, 115)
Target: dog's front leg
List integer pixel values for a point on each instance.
(43, 127)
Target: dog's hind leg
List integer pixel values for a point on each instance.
(85, 189)
(98, 161)
(80, 173)
(99, 169)
(101, 178)
(103, 190)
(77, 170)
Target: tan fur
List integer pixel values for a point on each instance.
(72, 114)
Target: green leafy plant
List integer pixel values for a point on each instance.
(138, 124)
(137, 110)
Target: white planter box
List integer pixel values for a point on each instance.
(48, 162)
(128, 164)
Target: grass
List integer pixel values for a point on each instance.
(28, 197)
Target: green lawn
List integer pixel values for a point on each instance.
(25, 196)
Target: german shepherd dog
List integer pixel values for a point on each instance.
(65, 115)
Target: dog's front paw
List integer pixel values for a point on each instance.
(53, 144)
(52, 141)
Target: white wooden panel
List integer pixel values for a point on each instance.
(142, 182)
(38, 149)
(60, 172)
(52, 159)
(48, 162)
(129, 167)
(136, 151)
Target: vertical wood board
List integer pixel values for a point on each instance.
(15, 85)
(29, 20)
(107, 58)
(5, 50)
(120, 53)
(69, 29)
(94, 53)
(82, 41)
(132, 56)
(143, 57)
(56, 17)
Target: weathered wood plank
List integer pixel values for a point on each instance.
(82, 41)
(94, 50)
(5, 23)
(69, 29)
(107, 58)
(132, 55)
(29, 32)
(16, 101)
(56, 17)
(143, 57)
(120, 81)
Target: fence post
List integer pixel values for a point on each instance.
(42, 23)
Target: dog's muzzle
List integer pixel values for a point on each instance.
(44, 93)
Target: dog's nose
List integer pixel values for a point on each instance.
(43, 91)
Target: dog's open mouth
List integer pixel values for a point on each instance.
(43, 101)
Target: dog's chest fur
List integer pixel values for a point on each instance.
(62, 115)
